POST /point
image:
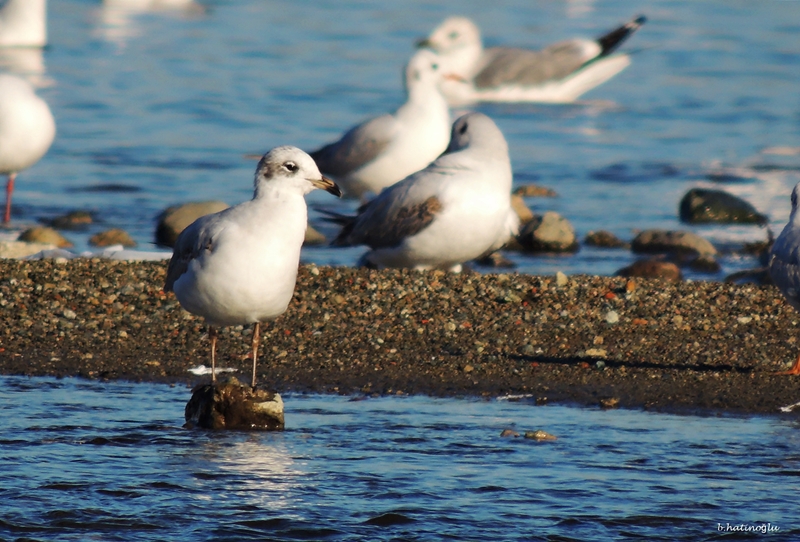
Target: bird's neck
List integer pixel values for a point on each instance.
(424, 97)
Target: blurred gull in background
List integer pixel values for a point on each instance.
(560, 73)
(455, 210)
(381, 151)
(27, 130)
(23, 23)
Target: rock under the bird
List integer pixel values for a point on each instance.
(231, 405)
(535, 191)
(700, 206)
(523, 212)
(173, 220)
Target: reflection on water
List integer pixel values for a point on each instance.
(85, 460)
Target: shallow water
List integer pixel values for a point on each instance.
(159, 108)
(83, 460)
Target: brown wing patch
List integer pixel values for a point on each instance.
(393, 228)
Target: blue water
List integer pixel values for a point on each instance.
(83, 460)
(165, 106)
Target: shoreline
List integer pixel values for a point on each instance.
(589, 340)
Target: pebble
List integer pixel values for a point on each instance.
(612, 317)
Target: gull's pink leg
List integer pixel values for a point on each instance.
(212, 334)
(256, 338)
(9, 191)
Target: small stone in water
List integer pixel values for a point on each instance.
(509, 433)
(539, 435)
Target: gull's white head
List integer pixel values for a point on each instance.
(477, 132)
(291, 167)
(453, 34)
(424, 69)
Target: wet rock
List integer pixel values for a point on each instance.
(756, 276)
(173, 220)
(534, 191)
(539, 435)
(509, 433)
(114, 236)
(705, 264)
(604, 239)
(231, 405)
(549, 232)
(700, 206)
(671, 242)
(496, 260)
(19, 249)
(609, 402)
(652, 269)
(523, 212)
(44, 235)
(74, 220)
(313, 237)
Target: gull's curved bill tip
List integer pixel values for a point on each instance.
(327, 185)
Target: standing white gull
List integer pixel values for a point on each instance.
(455, 210)
(784, 264)
(23, 23)
(559, 73)
(27, 130)
(239, 266)
(381, 151)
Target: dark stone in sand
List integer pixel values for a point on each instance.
(705, 264)
(114, 236)
(231, 405)
(701, 206)
(671, 242)
(41, 234)
(652, 269)
(604, 239)
(549, 232)
(74, 220)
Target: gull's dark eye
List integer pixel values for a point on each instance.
(463, 129)
(290, 166)
(453, 35)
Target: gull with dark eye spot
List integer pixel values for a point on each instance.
(784, 264)
(381, 151)
(559, 73)
(455, 210)
(239, 266)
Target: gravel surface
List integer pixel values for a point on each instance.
(583, 339)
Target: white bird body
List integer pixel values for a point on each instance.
(27, 130)
(230, 285)
(784, 263)
(239, 266)
(559, 73)
(383, 150)
(23, 23)
(455, 210)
